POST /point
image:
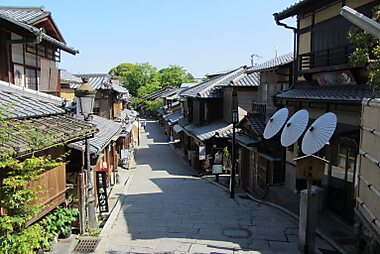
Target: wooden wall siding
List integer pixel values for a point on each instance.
(245, 98)
(4, 53)
(52, 182)
(368, 187)
(103, 102)
(227, 104)
(316, 46)
(214, 109)
(198, 112)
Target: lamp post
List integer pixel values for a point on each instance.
(86, 96)
(360, 20)
(235, 119)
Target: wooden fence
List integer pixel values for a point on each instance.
(368, 187)
(52, 182)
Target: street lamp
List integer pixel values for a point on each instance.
(235, 119)
(360, 20)
(86, 96)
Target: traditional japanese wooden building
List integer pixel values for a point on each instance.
(327, 82)
(31, 46)
(45, 119)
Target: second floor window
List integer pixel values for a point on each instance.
(31, 78)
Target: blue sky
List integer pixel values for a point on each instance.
(202, 35)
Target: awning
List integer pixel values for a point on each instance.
(245, 140)
(177, 128)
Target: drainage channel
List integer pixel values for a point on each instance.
(87, 245)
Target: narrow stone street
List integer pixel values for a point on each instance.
(168, 210)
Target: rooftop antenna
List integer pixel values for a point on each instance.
(253, 63)
(275, 49)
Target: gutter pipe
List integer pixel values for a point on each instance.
(295, 71)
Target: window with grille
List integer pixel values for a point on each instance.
(259, 107)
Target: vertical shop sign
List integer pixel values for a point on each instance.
(102, 191)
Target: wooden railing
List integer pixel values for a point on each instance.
(259, 107)
(324, 58)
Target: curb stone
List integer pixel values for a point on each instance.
(116, 210)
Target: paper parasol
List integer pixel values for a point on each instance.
(275, 123)
(319, 133)
(294, 127)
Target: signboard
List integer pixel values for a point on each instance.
(217, 168)
(202, 153)
(310, 167)
(101, 186)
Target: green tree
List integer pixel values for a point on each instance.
(148, 88)
(174, 75)
(134, 76)
(367, 51)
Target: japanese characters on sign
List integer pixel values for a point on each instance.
(102, 191)
(310, 168)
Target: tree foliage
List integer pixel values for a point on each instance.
(174, 75)
(367, 51)
(142, 79)
(133, 76)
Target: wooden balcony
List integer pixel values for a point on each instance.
(325, 60)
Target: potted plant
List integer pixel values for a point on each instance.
(58, 223)
(65, 216)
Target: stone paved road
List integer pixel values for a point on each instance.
(167, 210)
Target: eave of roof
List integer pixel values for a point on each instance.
(57, 129)
(301, 5)
(353, 94)
(107, 130)
(208, 131)
(19, 102)
(273, 63)
(39, 34)
(212, 88)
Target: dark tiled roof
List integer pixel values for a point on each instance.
(67, 77)
(58, 129)
(174, 117)
(27, 15)
(207, 131)
(97, 81)
(298, 6)
(257, 122)
(23, 17)
(19, 102)
(351, 94)
(170, 93)
(273, 63)
(128, 115)
(211, 88)
(107, 130)
(251, 79)
(157, 94)
(119, 89)
(183, 122)
(244, 139)
(161, 111)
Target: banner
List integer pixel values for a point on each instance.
(101, 187)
